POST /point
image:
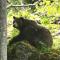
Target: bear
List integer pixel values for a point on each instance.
(33, 32)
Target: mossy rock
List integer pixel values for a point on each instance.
(24, 51)
(21, 51)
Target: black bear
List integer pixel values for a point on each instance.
(31, 31)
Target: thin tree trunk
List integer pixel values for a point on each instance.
(3, 33)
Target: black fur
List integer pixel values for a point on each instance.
(31, 31)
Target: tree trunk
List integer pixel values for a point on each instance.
(3, 33)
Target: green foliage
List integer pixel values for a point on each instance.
(15, 1)
(15, 32)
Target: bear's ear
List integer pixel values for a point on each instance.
(14, 17)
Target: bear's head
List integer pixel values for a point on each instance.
(18, 22)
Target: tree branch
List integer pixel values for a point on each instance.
(29, 5)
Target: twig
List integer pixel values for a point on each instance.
(29, 5)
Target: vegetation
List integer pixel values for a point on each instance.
(46, 12)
